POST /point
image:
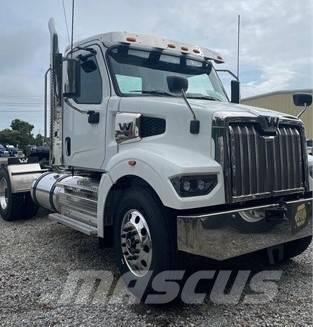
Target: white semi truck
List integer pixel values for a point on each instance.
(149, 154)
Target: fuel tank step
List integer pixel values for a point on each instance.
(74, 223)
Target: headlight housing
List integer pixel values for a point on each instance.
(194, 185)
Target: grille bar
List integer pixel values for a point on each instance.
(262, 166)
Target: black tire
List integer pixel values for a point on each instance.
(19, 205)
(286, 251)
(30, 207)
(162, 231)
(246, 227)
(295, 248)
(15, 202)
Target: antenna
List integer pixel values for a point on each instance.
(238, 48)
(73, 14)
(66, 24)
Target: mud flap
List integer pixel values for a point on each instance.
(275, 254)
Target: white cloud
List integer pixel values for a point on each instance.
(276, 36)
(274, 78)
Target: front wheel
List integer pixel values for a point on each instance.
(144, 237)
(252, 221)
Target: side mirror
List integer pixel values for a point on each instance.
(235, 91)
(179, 85)
(302, 99)
(71, 73)
(176, 84)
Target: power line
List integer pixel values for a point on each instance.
(20, 96)
(65, 18)
(21, 103)
(21, 111)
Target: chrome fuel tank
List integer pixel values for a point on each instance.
(44, 190)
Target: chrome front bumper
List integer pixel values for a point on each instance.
(214, 236)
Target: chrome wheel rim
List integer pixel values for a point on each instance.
(3, 193)
(252, 216)
(136, 243)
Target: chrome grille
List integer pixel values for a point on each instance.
(257, 164)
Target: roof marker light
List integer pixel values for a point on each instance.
(184, 49)
(196, 51)
(171, 45)
(131, 39)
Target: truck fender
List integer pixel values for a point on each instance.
(122, 169)
(22, 176)
(104, 188)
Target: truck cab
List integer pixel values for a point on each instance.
(119, 76)
(148, 151)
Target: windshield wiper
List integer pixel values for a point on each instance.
(189, 96)
(153, 92)
(202, 97)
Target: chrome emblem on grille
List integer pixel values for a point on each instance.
(272, 122)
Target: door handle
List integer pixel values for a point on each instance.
(68, 146)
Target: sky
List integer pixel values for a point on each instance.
(276, 50)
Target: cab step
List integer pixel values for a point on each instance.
(73, 223)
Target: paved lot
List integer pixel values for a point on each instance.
(37, 256)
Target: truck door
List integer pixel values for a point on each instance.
(85, 116)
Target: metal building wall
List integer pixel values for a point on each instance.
(283, 102)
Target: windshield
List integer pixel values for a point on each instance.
(144, 73)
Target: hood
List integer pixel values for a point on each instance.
(177, 137)
(215, 107)
(202, 108)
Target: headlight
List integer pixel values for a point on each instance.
(194, 185)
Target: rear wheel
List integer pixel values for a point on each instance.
(14, 206)
(30, 207)
(144, 239)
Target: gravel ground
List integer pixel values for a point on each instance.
(37, 256)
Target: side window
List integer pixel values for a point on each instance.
(90, 83)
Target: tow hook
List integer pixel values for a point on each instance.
(277, 214)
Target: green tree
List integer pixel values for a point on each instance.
(20, 134)
(39, 139)
(22, 126)
(9, 136)
(24, 130)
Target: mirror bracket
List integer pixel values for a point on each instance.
(235, 85)
(302, 100)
